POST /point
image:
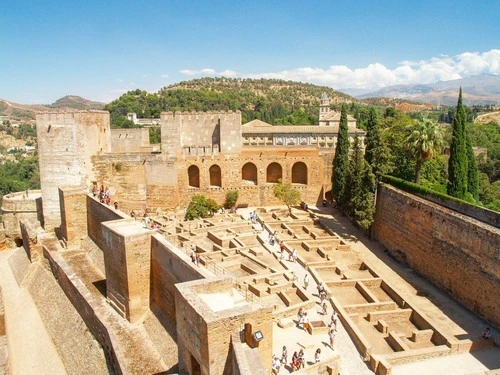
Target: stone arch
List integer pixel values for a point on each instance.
(194, 176)
(215, 175)
(299, 173)
(274, 173)
(249, 173)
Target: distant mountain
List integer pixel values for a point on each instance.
(76, 102)
(483, 89)
(27, 113)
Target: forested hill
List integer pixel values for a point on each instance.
(271, 100)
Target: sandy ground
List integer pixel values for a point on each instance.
(31, 351)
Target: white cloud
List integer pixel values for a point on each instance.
(376, 75)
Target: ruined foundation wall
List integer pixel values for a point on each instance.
(459, 254)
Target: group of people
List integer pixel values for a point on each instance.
(297, 361)
(104, 195)
(252, 216)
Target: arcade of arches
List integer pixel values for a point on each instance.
(274, 173)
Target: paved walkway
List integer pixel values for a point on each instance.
(31, 351)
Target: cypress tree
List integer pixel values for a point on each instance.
(377, 153)
(354, 179)
(457, 165)
(341, 161)
(472, 170)
(365, 210)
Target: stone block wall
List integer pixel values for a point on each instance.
(30, 231)
(170, 266)
(73, 203)
(129, 140)
(16, 207)
(98, 213)
(204, 335)
(67, 141)
(127, 259)
(459, 254)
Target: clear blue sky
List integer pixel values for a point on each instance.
(100, 49)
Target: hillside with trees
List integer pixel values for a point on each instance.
(274, 101)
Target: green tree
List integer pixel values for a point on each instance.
(457, 164)
(341, 161)
(425, 140)
(472, 170)
(365, 210)
(354, 178)
(231, 199)
(200, 207)
(287, 194)
(377, 153)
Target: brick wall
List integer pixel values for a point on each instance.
(457, 253)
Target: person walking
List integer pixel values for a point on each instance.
(306, 281)
(331, 334)
(317, 355)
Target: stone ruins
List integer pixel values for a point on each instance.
(114, 293)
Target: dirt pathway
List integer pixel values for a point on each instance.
(31, 351)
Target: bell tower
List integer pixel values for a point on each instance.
(324, 106)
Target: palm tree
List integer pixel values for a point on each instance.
(425, 139)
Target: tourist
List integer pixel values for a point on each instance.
(197, 258)
(322, 295)
(306, 281)
(116, 205)
(300, 314)
(295, 364)
(325, 308)
(276, 365)
(193, 254)
(146, 221)
(332, 333)
(320, 288)
(334, 318)
(305, 322)
(301, 358)
(317, 355)
(486, 333)
(294, 255)
(284, 355)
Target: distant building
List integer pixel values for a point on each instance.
(328, 117)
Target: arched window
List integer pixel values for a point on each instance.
(274, 173)
(215, 176)
(194, 176)
(299, 173)
(249, 174)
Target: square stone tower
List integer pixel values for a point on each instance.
(67, 141)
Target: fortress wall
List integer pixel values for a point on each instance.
(77, 348)
(459, 254)
(66, 143)
(129, 140)
(199, 129)
(16, 207)
(98, 213)
(170, 266)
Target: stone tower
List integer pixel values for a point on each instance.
(324, 107)
(67, 141)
